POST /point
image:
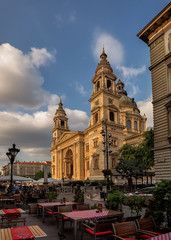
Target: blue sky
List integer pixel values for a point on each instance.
(50, 49)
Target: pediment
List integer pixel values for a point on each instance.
(65, 136)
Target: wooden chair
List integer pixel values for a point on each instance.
(61, 209)
(82, 207)
(101, 229)
(39, 208)
(124, 230)
(131, 218)
(147, 227)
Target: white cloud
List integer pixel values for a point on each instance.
(80, 88)
(20, 80)
(32, 132)
(129, 72)
(40, 57)
(146, 108)
(78, 120)
(113, 48)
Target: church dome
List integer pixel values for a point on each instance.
(127, 101)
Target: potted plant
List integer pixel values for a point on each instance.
(135, 203)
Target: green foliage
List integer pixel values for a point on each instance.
(94, 206)
(39, 175)
(146, 147)
(79, 195)
(52, 195)
(75, 183)
(135, 160)
(115, 200)
(135, 204)
(160, 202)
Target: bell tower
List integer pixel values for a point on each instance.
(104, 99)
(60, 122)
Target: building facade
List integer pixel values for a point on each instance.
(26, 169)
(157, 34)
(79, 155)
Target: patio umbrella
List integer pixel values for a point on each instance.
(15, 178)
(50, 180)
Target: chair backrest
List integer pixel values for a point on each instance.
(125, 229)
(132, 218)
(146, 224)
(66, 208)
(42, 200)
(81, 207)
(104, 225)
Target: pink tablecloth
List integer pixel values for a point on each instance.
(166, 236)
(87, 214)
(21, 233)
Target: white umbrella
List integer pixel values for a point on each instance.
(15, 178)
(50, 180)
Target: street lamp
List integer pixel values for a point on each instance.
(106, 149)
(12, 153)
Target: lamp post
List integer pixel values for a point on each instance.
(106, 148)
(12, 153)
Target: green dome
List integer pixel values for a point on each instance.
(127, 101)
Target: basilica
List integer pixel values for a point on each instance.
(80, 155)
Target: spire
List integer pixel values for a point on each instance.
(60, 109)
(103, 56)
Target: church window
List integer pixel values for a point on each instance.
(135, 125)
(53, 169)
(62, 123)
(111, 115)
(96, 163)
(97, 102)
(110, 101)
(113, 163)
(95, 141)
(87, 165)
(53, 158)
(96, 117)
(128, 124)
(114, 142)
(109, 84)
(98, 85)
(87, 147)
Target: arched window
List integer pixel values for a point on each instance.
(135, 125)
(113, 162)
(111, 116)
(62, 123)
(98, 85)
(109, 84)
(96, 118)
(128, 124)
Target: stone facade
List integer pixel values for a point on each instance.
(79, 155)
(26, 169)
(157, 34)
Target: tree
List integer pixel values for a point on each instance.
(39, 175)
(130, 162)
(147, 149)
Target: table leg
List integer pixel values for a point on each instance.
(43, 214)
(75, 230)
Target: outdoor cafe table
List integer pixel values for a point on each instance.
(29, 232)
(11, 211)
(53, 204)
(165, 236)
(80, 216)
